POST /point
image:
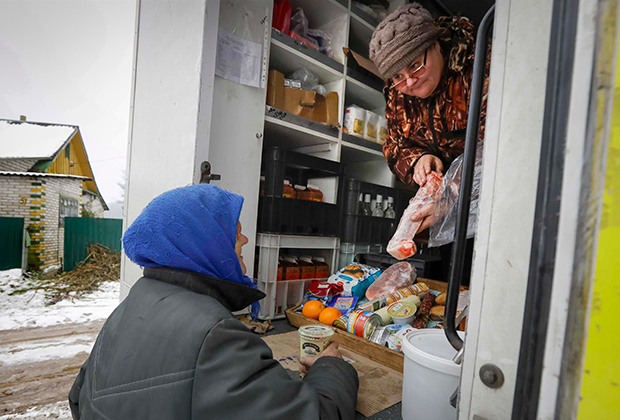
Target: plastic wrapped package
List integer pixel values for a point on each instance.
(355, 279)
(282, 15)
(382, 132)
(394, 278)
(444, 217)
(308, 80)
(299, 29)
(323, 40)
(401, 245)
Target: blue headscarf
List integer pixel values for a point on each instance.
(192, 228)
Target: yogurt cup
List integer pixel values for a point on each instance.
(402, 312)
(314, 339)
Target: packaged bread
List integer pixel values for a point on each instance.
(355, 121)
(372, 126)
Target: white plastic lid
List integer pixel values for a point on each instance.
(287, 182)
(367, 198)
(379, 198)
(314, 187)
(290, 259)
(321, 259)
(262, 177)
(431, 348)
(390, 200)
(299, 187)
(305, 258)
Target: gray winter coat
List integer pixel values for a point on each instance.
(173, 350)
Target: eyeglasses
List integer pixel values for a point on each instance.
(399, 78)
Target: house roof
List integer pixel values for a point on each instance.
(41, 174)
(33, 140)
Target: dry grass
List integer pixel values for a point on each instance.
(101, 265)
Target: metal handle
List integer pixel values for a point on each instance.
(205, 173)
(471, 141)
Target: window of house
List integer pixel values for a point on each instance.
(68, 208)
(68, 151)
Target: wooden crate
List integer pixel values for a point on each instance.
(373, 351)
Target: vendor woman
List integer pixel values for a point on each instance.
(428, 67)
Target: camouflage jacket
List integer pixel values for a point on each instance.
(434, 125)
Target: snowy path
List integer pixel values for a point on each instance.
(43, 347)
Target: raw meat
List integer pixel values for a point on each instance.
(396, 277)
(401, 245)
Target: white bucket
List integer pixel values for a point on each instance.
(430, 376)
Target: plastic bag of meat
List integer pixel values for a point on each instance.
(401, 245)
(444, 217)
(394, 278)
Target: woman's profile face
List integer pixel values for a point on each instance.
(241, 240)
(425, 81)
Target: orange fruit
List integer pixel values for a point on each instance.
(312, 309)
(329, 315)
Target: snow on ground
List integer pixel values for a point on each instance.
(46, 349)
(59, 410)
(29, 309)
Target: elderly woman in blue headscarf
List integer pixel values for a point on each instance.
(173, 350)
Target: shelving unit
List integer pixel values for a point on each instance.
(363, 159)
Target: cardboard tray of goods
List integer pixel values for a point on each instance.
(375, 352)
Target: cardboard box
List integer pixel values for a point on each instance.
(305, 103)
(363, 62)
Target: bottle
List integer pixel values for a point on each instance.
(360, 204)
(389, 212)
(367, 211)
(378, 210)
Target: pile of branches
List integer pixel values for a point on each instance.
(101, 265)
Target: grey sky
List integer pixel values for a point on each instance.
(69, 62)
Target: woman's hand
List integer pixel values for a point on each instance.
(425, 214)
(308, 361)
(424, 166)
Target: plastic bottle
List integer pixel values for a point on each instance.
(307, 268)
(389, 212)
(322, 269)
(360, 204)
(262, 185)
(367, 211)
(378, 210)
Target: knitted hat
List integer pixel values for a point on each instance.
(402, 37)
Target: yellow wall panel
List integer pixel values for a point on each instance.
(600, 391)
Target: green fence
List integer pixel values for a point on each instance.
(11, 242)
(81, 231)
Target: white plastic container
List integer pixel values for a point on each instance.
(430, 377)
(355, 120)
(382, 131)
(372, 126)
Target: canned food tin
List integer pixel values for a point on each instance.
(402, 312)
(363, 323)
(314, 339)
(342, 322)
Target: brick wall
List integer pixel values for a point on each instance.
(36, 199)
(16, 165)
(93, 204)
(54, 233)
